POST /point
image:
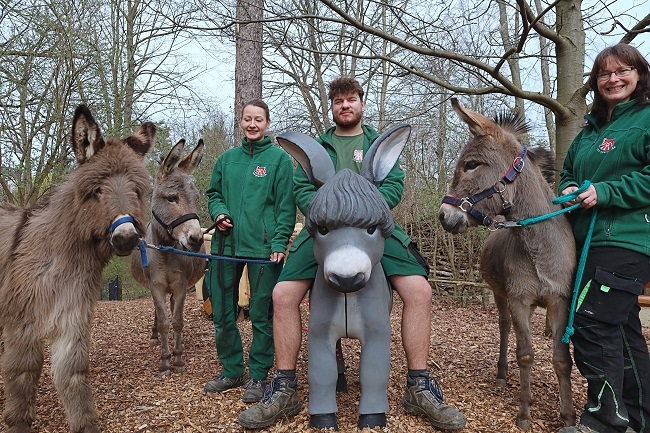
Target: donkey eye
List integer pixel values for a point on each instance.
(172, 199)
(470, 165)
(98, 191)
(323, 230)
(371, 230)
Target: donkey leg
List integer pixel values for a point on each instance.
(178, 303)
(70, 365)
(21, 365)
(521, 314)
(562, 362)
(154, 341)
(163, 330)
(504, 331)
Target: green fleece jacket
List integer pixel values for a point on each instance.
(253, 184)
(615, 157)
(391, 188)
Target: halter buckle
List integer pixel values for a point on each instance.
(465, 201)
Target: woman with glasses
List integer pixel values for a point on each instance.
(613, 152)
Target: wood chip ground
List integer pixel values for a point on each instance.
(131, 397)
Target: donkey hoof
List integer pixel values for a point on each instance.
(523, 424)
(179, 368)
(501, 383)
(165, 373)
(323, 421)
(21, 427)
(372, 420)
(154, 342)
(341, 383)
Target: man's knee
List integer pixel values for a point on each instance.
(413, 289)
(289, 294)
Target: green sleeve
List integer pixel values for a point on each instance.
(285, 206)
(216, 202)
(302, 189)
(566, 174)
(392, 187)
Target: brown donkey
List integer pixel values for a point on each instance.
(174, 224)
(51, 261)
(526, 266)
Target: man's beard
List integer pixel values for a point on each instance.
(347, 122)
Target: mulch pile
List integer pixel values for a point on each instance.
(131, 397)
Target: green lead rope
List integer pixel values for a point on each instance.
(558, 200)
(581, 267)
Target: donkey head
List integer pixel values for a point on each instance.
(173, 202)
(111, 181)
(347, 217)
(492, 151)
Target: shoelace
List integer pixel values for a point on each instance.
(253, 382)
(269, 390)
(433, 386)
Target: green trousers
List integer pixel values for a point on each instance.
(223, 280)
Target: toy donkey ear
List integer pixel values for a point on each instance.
(310, 154)
(380, 159)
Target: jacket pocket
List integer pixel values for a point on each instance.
(609, 297)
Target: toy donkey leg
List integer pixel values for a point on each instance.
(374, 331)
(323, 335)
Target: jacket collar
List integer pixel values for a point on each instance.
(257, 146)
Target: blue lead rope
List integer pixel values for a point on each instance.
(208, 256)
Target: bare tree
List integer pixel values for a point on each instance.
(248, 57)
(118, 57)
(563, 23)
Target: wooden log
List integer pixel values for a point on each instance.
(644, 301)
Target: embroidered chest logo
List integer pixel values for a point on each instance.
(358, 155)
(607, 145)
(260, 171)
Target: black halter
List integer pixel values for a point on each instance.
(178, 221)
(466, 204)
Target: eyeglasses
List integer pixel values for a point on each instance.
(623, 72)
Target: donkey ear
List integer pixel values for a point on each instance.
(142, 141)
(191, 161)
(86, 138)
(171, 160)
(473, 120)
(380, 159)
(311, 156)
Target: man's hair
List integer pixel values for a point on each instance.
(345, 86)
(627, 55)
(257, 102)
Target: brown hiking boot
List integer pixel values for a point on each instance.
(423, 396)
(254, 391)
(280, 399)
(222, 383)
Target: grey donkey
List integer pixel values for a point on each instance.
(349, 220)
(526, 266)
(174, 224)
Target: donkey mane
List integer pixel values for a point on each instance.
(512, 122)
(356, 203)
(515, 123)
(544, 159)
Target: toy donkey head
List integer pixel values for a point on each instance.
(348, 217)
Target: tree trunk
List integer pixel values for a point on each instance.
(248, 57)
(570, 54)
